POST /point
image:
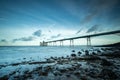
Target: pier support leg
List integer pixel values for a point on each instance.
(46, 43)
(71, 42)
(50, 43)
(88, 41)
(55, 44)
(61, 43)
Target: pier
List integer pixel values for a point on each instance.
(88, 38)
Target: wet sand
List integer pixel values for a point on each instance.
(96, 64)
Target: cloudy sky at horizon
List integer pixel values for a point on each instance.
(27, 22)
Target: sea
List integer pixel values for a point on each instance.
(13, 54)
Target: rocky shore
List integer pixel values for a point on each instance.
(95, 64)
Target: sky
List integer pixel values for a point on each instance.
(29, 22)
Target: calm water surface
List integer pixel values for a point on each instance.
(20, 53)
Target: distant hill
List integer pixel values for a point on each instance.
(111, 45)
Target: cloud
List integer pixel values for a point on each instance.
(30, 38)
(49, 31)
(53, 37)
(89, 17)
(3, 40)
(78, 31)
(94, 28)
(56, 36)
(37, 33)
(97, 7)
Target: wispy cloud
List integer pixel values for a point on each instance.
(97, 7)
(78, 31)
(33, 36)
(55, 36)
(49, 31)
(30, 38)
(94, 28)
(37, 33)
(89, 17)
(3, 40)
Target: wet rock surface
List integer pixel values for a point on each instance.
(102, 64)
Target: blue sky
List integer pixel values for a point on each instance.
(27, 22)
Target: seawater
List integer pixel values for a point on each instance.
(13, 54)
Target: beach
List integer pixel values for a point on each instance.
(101, 63)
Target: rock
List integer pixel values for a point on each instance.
(93, 73)
(55, 58)
(56, 73)
(48, 60)
(17, 77)
(73, 50)
(82, 50)
(62, 70)
(98, 51)
(52, 57)
(102, 49)
(43, 73)
(73, 55)
(20, 77)
(26, 72)
(67, 56)
(67, 75)
(4, 77)
(79, 53)
(76, 66)
(59, 58)
(84, 77)
(27, 76)
(109, 74)
(86, 52)
(59, 62)
(86, 70)
(39, 68)
(77, 73)
(24, 58)
(47, 68)
(93, 53)
(106, 63)
(62, 57)
(12, 73)
(115, 54)
(15, 64)
(71, 69)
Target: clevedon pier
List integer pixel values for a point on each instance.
(88, 38)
